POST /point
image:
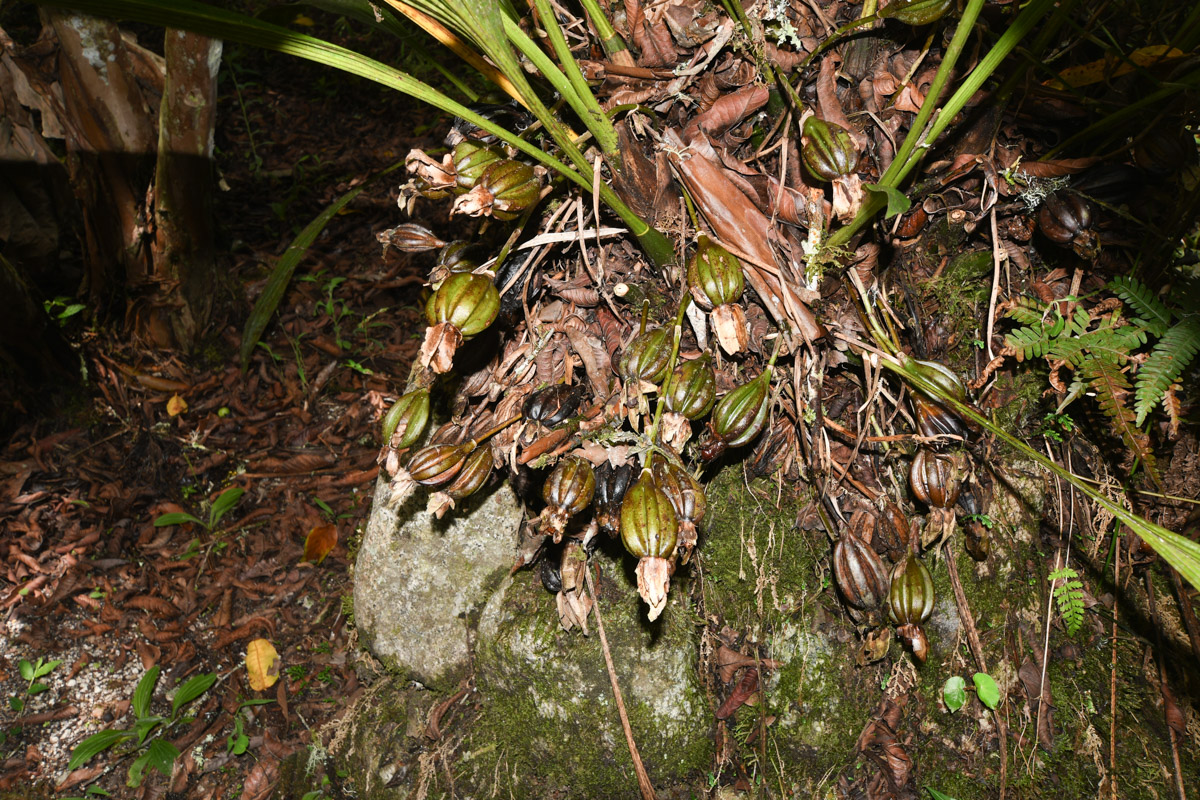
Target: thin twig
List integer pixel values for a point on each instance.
(1160, 657)
(968, 623)
(643, 779)
(1112, 700)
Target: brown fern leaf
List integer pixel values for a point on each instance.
(1113, 390)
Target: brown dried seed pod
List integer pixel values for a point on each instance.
(567, 491)
(935, 478)
(859, 573)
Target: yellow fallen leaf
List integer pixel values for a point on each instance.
(262, 664)
(1111, 67)
(176, 405)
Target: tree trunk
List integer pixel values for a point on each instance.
(110, 146)
(184, 261)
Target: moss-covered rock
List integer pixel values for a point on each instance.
(548, 707)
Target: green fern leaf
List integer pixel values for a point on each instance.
(1068, 596)
(1147, 309)
(1167, 361)
(1112, 388)
(1028, 311)
(1027, 343)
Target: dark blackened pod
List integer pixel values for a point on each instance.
(859, 573)
(406, 420)
(471, 158)
(523, 287)
(438, 464)
(567, 491)
(473, 475)
(551, 574)
(553, 404)
(611, 485)
(692, 389)
(455, 257)
(648, 523)
(935, 420)
(647, 356)
(936, 478)
(828, 150)
(1065, 218)
(910, 595)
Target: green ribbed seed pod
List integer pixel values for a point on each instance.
(684, 491)
(716, 273)
(741, 414)
(647, 356)
(412, 412)
(471, 158)
(692, 389)
(941, 376)
(514, 187)
(910, 598)
(829, 152)
(648, 522)
(467, 301)
(454, 257)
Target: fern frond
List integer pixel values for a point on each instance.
(1147, 308)
(1027, 343)
(1068, 596)
(1112, 389)
(1028, 311)
(1113, 344)
(1166, 363)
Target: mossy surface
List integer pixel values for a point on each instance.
(548, 721)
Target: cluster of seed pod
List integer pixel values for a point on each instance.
(646, 496)
(937, 480)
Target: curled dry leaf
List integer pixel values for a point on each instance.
(262, 664)
(746, 688)
(320, 540)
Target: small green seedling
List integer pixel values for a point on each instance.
(30, 672)
(155, 751)
(237, 742)
(220, 507)
(954, 692)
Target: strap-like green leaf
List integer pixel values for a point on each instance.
(144, 691)
(222, 505)
(93, 746)
(281, 274)
(193, 688)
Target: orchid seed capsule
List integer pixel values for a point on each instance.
(740, 415)
(611, 485)
(859, 572)
(828, 151)
(910, 596)
(471, 158)
(513, 187)
(553, 404)
(715, 274)
(567, 491)
(472, 476)
(467, 301)
(692, 389)
(935, 478)
(405, 421)
(437, 464)
(647, 356)
(648, 522)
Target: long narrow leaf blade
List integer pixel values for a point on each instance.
(93, 746)
(281, 275)
(144, 691)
